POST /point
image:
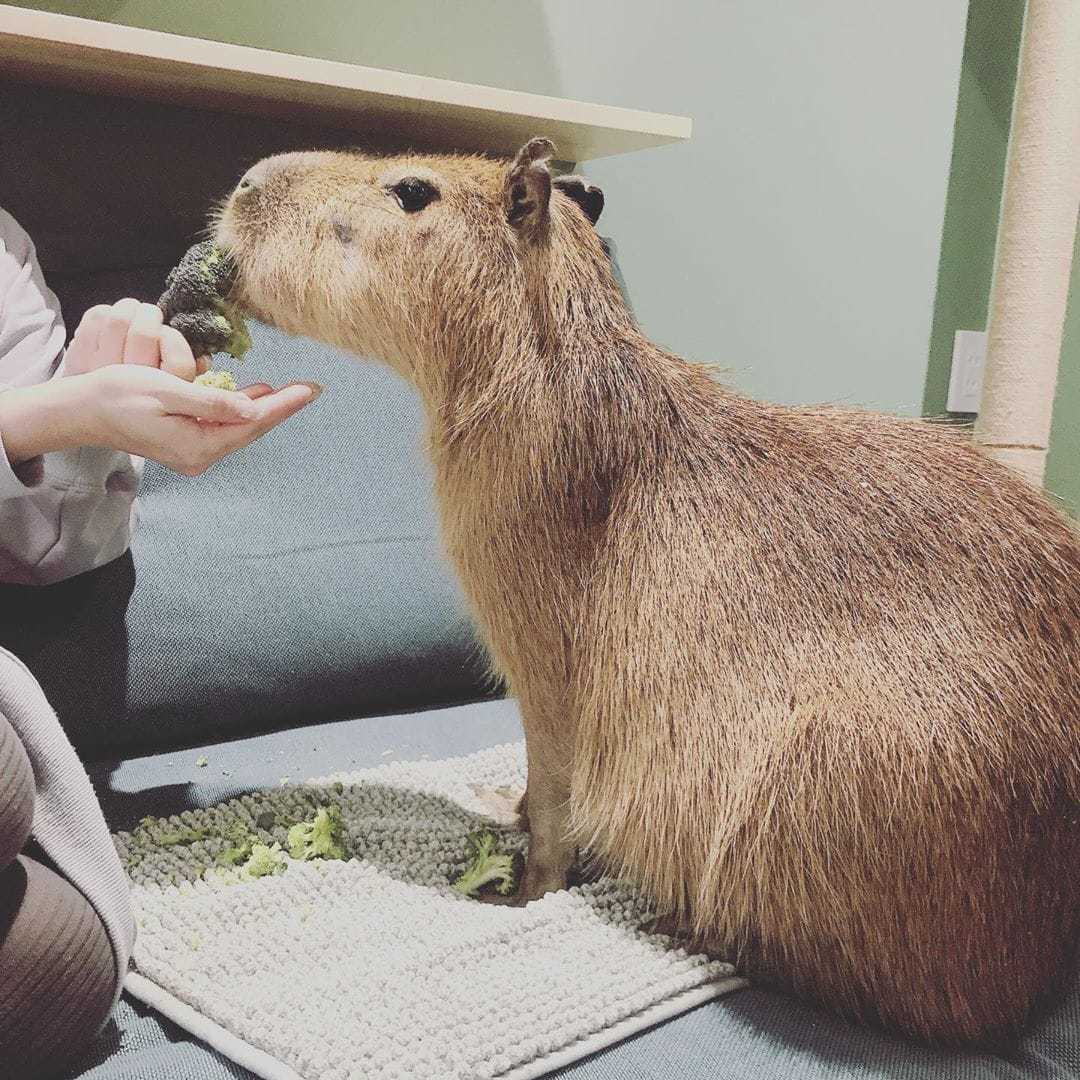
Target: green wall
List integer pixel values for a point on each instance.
(470, 41)
(983, 114)
(1063, 467)
(983, 111)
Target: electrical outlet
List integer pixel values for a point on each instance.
(968, 362)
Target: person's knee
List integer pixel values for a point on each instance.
(16, 794)
(58, 975)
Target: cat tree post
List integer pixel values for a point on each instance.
(1035, 242)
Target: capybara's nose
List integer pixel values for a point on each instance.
(260, 173)
(253, 178)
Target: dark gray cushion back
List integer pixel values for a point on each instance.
(299, 579)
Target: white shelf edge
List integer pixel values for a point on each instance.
(88, 38)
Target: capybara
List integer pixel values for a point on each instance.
(809, 676)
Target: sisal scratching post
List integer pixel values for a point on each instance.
(1035, 242)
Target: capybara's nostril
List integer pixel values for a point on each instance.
(253, 179)
(269, 169)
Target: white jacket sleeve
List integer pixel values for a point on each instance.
(70, 511)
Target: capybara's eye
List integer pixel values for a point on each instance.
(414, 194)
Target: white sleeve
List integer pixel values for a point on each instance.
(72, 510)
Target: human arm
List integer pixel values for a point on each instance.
(145, 410)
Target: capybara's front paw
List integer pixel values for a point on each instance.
(542, 878)
(539, 880)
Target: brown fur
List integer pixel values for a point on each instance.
(811, 676)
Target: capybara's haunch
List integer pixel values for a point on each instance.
(810, 676)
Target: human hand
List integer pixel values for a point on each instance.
(187, 428)
(145, 411)
(130, 332)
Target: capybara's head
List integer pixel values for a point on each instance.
(422, 261)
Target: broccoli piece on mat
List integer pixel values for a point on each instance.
(194, 302)
(486, 865)
(265, 860)
(181, 836)
(223, 380)
(234, 855)
(318, 838)
(240, 841)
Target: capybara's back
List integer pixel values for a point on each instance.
(862, 777)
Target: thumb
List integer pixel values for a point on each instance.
(207, 403)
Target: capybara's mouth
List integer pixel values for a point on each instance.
(242, 242)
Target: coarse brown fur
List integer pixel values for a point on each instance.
(811, 676)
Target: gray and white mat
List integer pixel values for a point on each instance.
(373, 967)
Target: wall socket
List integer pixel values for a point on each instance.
(968, 362)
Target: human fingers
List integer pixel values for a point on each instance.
(176, 356)
(114, 332)
(180, 398)
(279, 405)
(82, 352)
(274, 408)
(256, 390)
(143, 342)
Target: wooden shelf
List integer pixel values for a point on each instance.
(416, 110)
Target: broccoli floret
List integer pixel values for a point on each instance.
(181, 836)
(265, 860)
(486, 865)
(241, 842)
(318, 838)
(202, 277)
(223, 380)
(160, 831)
(194, 302)
(234, 855)
(205, 330)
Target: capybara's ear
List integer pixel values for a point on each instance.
(588, 196)
(527, 189)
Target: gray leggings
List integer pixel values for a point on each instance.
(57, 972)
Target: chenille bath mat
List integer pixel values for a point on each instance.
(362, 962)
